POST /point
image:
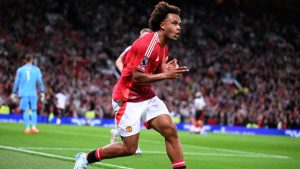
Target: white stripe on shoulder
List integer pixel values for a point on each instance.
(151, 45)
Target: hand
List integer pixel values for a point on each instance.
(42, 97)
(176, 73)
(171, 65)
(13, 97)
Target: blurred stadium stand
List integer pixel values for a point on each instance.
(75, 42)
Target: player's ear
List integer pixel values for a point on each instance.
(162, 25)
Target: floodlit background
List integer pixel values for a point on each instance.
(243, 57)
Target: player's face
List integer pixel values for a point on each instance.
(171, 26)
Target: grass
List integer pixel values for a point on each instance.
(55, 147)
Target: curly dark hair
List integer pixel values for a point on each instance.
(160, 12)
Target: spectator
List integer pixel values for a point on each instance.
(219, 42)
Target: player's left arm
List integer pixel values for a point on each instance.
(120, 60)
(41, 84)
(119, 63)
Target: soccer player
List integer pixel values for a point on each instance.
(119, 64)
(61, 104)
(28, 76)
(133, 98)
(198, 120)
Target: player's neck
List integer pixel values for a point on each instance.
(163, 40)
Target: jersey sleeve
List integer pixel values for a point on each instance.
(140, 61)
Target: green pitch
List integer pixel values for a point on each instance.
(55, 147)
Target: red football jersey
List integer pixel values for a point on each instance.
(145, 55)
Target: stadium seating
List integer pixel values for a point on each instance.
(77, 42)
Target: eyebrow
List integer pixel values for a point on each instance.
(173, 19)
(178, 21)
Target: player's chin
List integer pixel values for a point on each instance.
(176, 37)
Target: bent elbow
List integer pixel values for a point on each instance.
(138, 77)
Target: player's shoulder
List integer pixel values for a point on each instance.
(147, 36)
(144, 39)
(143, 42)
(36, 68)
(21, 68)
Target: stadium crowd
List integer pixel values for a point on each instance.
(244, 61)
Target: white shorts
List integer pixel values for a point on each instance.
(128, 115)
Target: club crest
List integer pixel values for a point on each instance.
(144, 63)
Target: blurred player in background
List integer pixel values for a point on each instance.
(61, 104)
(27, 78)
(133, 98)
(119, 64)
(198, 119)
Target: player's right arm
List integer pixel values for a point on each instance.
(17, 81)
(15, 87)
(140, 77)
